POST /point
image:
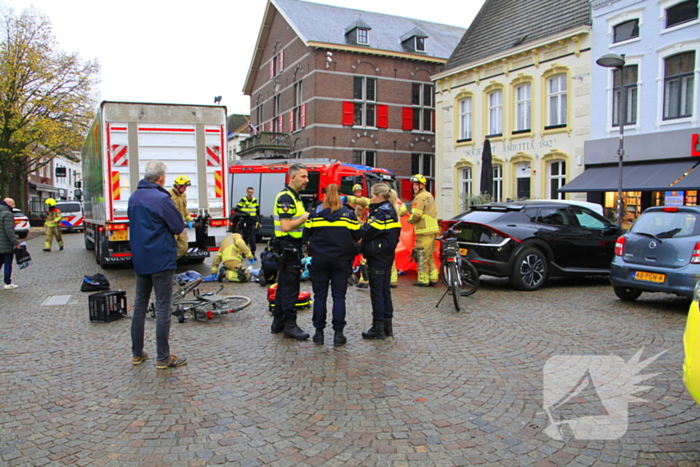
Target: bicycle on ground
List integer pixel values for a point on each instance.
(459, 275)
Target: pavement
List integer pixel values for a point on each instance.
(476, 387)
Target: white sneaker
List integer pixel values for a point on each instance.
(10, 286)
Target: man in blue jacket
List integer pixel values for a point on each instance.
(153, 222)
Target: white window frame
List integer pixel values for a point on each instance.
(366, 32)
(465, 119)
(663, 54)
(523, 107)
(495, 112)
(665, 5)
(628, 15)
(497, 182)
(561, 178)
(466, 182)
(361, 156)
(298, 102)
(368, 106)
(421, 108)
(557, 101)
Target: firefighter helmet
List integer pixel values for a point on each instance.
(50, 202)
(182, 181)
(418, 178)
(357, 187)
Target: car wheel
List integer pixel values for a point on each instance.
(626, 294)
(529, 270)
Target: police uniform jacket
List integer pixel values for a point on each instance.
(288, 205)
(248, 208)
(380, 234)
(332, 235)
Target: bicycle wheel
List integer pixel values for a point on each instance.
(443, 275)
(454, 284)
(470, 278)
(224, 305)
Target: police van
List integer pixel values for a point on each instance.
(73, 215)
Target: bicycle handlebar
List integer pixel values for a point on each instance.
(450, 231)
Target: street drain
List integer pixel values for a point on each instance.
(57, 300)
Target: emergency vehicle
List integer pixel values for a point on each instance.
(72, 214)
(268, 177)
(189, 139)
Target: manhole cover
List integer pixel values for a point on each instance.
(57, 300)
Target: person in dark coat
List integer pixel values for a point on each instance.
(380, 235)
(8, 240)
(153, 222)
(332, 232)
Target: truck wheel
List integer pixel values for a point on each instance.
(626, 294)
(529, 270)
(88, 244)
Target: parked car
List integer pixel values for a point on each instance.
(21, 223)
(660, 253)
(73, 216)
(530, 241)
(691, 345)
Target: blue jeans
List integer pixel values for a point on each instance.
(7, 259)
(336, 274)
(162, 284)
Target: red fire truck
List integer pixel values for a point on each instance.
(268, 177)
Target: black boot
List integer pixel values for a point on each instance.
(277, 324)
(292, 331)
(376, 331)
(388, 330)
(318, 337)
(339, 339)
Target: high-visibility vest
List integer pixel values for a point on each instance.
(248, 207)
(299, 211)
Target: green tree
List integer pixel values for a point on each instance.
(46, 99)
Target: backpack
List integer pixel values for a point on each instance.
(94, 283)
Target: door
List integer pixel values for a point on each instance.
(555, 226)
(597, 238)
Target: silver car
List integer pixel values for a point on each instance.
(660, 253)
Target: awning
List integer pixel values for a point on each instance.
(42, 187)
(635, 177)
(689, 182)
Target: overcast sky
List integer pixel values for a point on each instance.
(187, 52)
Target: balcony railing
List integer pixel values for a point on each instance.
(266, 142)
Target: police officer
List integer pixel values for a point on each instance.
(332, 231)
(177, 193)
(53, 225)
(380, 235)
(424, 220)
(249, 210)
(290, 216)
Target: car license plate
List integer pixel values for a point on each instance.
(463, 251)
(648, 276)
(119, 236)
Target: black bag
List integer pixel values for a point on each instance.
(22, 257)
(94, 283)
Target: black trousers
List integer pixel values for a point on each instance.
(248, 232)
(288, 279)
(380, 288)
(334, 273)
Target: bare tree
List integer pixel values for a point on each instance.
(46, 99)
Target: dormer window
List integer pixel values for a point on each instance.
(362, 36)
(414, 40)
(358, 33)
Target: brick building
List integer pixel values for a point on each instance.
(329, 82)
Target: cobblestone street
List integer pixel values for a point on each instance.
(449, 389)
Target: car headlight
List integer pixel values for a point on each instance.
(696, 292)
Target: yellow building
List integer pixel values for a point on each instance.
(521, 79)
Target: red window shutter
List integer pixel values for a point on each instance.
(291, 121)
(348, 113)
(272, 68)
(382, 116)
(407, 121)
(303, 115)
(281, 60)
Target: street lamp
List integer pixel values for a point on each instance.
(618, 62)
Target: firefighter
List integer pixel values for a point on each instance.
(231, 253)
(177, 193)
(290, 216)
(424, 220)
(53, 225)
(249, 210)
(380, 235)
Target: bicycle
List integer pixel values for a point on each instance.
(203, 306)
(459, 276)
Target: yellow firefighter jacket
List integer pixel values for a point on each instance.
(424, 214)
(231, 252)
(180, 200)
(53, 218)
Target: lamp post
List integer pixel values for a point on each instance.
(618, 62)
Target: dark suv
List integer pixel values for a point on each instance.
(529, 241)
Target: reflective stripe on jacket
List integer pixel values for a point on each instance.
(248, 207)
(332, 235)
(289, 204)
(53, 218)
(233, 248)
(180, 200)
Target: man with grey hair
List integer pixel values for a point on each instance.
(153, 222)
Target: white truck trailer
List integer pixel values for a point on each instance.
(189, 139)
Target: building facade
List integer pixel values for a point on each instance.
(336, 83)
(659, 41)
(521, 79)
